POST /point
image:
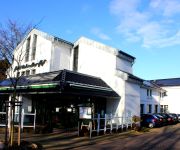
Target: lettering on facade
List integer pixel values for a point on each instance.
(39, 64)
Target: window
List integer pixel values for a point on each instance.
(23, 73)
(161, 95)
(155, 108)
(142, 108)
(149, 108)
(161, 109)
(75, 59)
(18, 74)
(149, 93)
(164, 108)
(34, 47)
(33, 71)
(27, 72)
(27, 49)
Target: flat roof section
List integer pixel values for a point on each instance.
(168, 82)
(64, 81)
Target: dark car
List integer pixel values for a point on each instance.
(175, 117)
(149, 120)
(162, 119)
(169, 119)
(178, 117)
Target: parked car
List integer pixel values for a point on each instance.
(178, 117)
(162, 119)
(175, 117)
(149, 120)
(169, 119)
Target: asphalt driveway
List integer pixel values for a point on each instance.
(164, 138)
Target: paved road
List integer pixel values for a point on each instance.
(164, 138)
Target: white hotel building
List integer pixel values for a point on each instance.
(60, 74)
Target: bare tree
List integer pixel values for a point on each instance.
(12, 35)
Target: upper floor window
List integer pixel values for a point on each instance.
(75, 58)
(23, 73)
(149, 93)
(18, 74)
(162, 94)
(33, 71)
(27, 72)
(33, 54)
(27, 49)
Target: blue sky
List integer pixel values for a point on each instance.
(147, 29)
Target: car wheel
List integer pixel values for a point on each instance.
(151, 125)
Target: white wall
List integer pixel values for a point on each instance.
(43, 52)
(60, 59)
(153, 100)
(95, 61)
(117, 106)
(101, 61)
(132, 99)
(124, 65)
(172, 99)
(56, 53)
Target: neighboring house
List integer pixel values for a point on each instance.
(151, 96)
(171, 102)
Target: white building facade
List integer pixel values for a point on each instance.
(46, 53)
(170, 103)
(115, 68)
(151, 96)
(40, 53)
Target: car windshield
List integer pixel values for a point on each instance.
(155, 116)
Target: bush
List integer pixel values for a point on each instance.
(136, 123)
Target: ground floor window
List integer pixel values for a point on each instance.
(142, 108)
(155, 108)
(164, 108)
(149, 108)
(2, 106)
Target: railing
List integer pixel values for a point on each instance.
(28, 120)
(107, 123)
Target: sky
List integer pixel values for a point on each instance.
(146, 29)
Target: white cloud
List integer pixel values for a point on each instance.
(153, 23)
(97, 31)
(123, 7)
(168, 7)
(172, 8)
